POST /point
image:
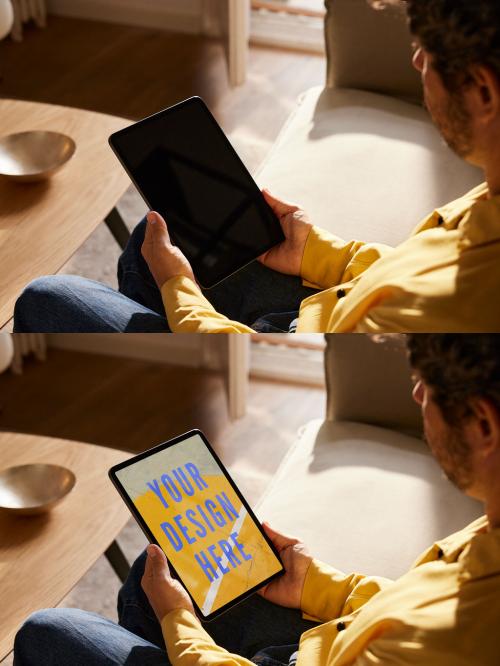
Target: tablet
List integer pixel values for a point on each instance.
(185, 501)
(186, 169)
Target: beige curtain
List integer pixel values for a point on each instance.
(25, 10)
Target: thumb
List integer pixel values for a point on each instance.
(156, 227)
(279, 206)
(279, 540)
(156, 563)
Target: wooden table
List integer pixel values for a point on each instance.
(43, 224)
(43, 557)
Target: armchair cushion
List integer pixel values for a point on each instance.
(364, 166)
(363, 498)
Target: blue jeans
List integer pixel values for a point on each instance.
(256, 296)
(260, 631)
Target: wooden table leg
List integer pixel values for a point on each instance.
(118, 228)
(114, 555)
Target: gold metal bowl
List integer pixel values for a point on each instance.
(34, 156)
(33, 489)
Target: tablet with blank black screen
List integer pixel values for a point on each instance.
(185, 501)
(186, 169)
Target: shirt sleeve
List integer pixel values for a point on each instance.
(188, 311)
(188, 644)
(328, 260)
(329, 593)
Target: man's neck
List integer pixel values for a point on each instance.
(493, 184)
(492, 171)
(492, 507)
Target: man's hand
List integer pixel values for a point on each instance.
(165, 261)
(287, 589)
(287, 256)
(163, 592)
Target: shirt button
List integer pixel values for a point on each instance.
(341, 293)
(440, 554)
(340, 626)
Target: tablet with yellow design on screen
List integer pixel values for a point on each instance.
(185, 501)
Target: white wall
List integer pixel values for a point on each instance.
(177, 15)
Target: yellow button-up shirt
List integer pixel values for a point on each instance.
(444, 612)
(444, 278)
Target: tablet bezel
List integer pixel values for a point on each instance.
(172, 109)
(149, 535)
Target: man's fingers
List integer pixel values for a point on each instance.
(263, 257)
(149, 566)
(156, 225)
(263, 590)
(156, 562)
(279, 206)
(278, 539)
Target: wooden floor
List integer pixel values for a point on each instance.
(134, 405)
(134, 72)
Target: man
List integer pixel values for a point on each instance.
(443, 612)
(445, 277)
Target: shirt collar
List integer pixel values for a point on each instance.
(481, 225)
(454, 211)
(476, 549)
(481, 557)
(476, 217)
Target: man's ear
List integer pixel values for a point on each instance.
(484, 427)
(483, 93)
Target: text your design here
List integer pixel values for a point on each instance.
(195, 520)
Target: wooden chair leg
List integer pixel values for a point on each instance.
(115, 556)
(118, 228)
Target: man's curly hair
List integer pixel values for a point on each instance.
(457, 367)
(457, 34)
